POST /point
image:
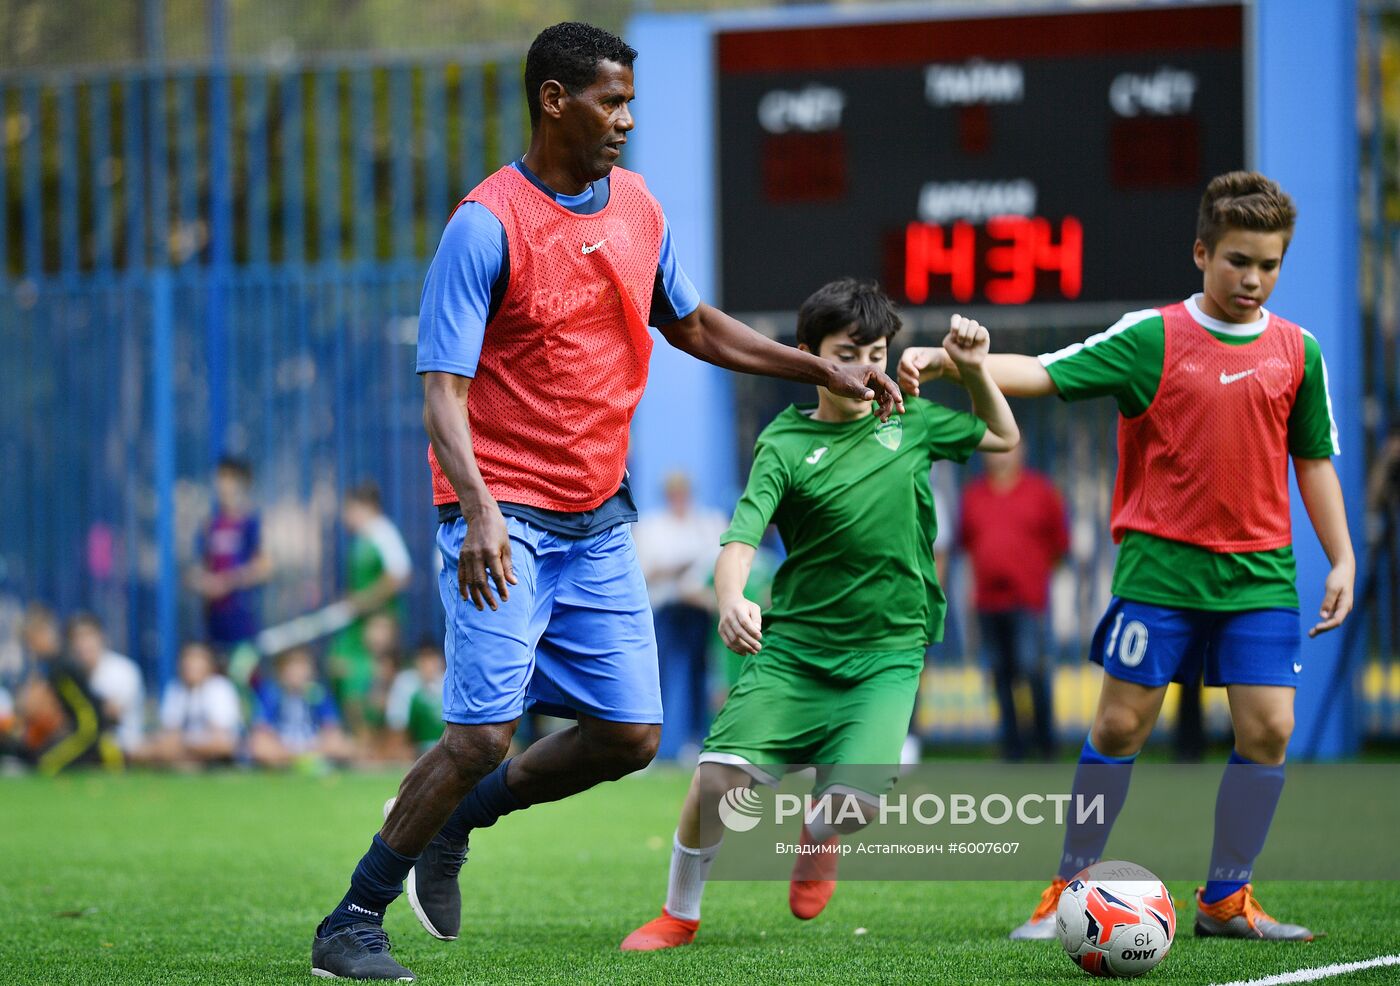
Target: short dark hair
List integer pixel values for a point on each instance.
(1244, 200)
(236, 467)
(367, 493)
(844, 304)
(569, 54)
(83, 619)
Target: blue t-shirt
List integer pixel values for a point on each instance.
(228, 543)
(463, 290)
(297, 719)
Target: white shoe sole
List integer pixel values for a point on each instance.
(412, 887)
(323, 974)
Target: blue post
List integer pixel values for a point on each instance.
(361, 152)
(473, 129)
(5, 193)
(401, 167)
(509, 124)
(31, 200)
(158, 193)
(134, 197)
(293, 165)
(676, 69)
(1306, 140)
(67, 178)
(163, 443)
(98, 173)
(433, 137)
(255, 111)
(220, 227)
(328, 167)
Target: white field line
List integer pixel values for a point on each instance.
(1321, 972)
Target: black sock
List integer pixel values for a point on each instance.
(377, 880)
(485, 803)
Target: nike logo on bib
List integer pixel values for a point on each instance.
(589, 249)
(1224, 377)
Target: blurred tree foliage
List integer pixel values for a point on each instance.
(82, 32)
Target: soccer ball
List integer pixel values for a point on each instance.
(1116, 919)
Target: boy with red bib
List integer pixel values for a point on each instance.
(1215, 395)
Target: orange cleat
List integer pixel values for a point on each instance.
(1240, 916)
(658, 933)
(1042, 922)
(813, 876)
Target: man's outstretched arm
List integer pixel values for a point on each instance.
(710, 335)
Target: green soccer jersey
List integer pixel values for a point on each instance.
(1125, 363)
(852, 503)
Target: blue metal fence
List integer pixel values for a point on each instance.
(198, 262)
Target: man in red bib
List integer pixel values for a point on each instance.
(534, 348)
(1215, 394)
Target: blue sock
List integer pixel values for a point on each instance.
(376, 882)
(1244, 809)
(485, 803)
(1097, 775)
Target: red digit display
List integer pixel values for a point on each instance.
(928, 255)
(1004, 261)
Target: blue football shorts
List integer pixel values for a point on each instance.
(575, 636)
(1154, 645)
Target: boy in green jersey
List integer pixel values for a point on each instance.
(833, 667)
(1215, 395)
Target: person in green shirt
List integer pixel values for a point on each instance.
(376, 573)
(833, 665)
(1215, 395)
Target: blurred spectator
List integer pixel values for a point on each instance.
(381, 635)
(295, 720)
(232, 561)
(415, 701)
(40, 640)
(677, 548)
(59, 722)
(1013, 527)
(377, 572)
(113, 678)
(200, 715)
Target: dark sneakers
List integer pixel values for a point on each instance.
(433, 892)
(359, 951)
(432, 887)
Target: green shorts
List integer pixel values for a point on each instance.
(830, 710)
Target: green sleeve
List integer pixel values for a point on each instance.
(1124, 362)
(950, 434)
(1312, 431)
(768, 481)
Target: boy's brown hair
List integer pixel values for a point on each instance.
(1244, 200)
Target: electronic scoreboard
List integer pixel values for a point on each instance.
(1044, 158)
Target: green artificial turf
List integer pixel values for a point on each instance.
(221, 879)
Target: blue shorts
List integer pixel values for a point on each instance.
(575, 635)
(1153, 645)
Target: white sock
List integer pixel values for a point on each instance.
(819, 826)
(689, 868)
(821, 830)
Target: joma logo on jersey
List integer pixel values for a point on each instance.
(890, 433)
(545, 303)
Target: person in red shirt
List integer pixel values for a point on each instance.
(1012, 526)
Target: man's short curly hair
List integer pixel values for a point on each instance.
(569, 54)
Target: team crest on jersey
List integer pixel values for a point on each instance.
(890, 433)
